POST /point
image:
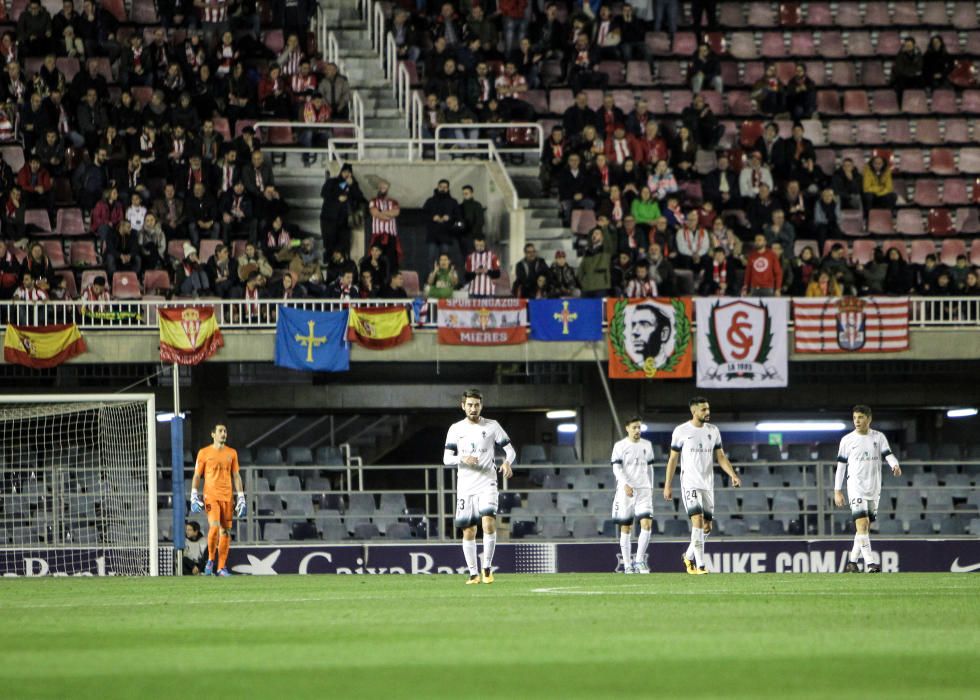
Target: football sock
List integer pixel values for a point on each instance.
(224, 544)
(855, 550)
(869, 557)
(213, 535)
(689, 554)
(697, 534)
(625, 547)
(489, 542)
(641, 545)
(469, 553)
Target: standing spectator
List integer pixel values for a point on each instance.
(785, 266)
(632, 41)
(801, 94)
(665, 17)
(693, 243)
(848, 185)
(36, 184)
(578, 116)
(123, 254)
(768, 144)
(257, 174)
(804, 266)
(606, 34)
(878, 190)
(705, 69)
(336, 91)
(9, 271)
(595, 270)
(760, 208)
(442, 280)
(661, 270)
(716, 274)
(791, 151)
(527, 272)
(34, 31)
(907, 68)
(473, 217)
(31, 289)
(563, 276)
(384, 226)
(778, 230)
(937, 64)
(106, 215)
(407, 41)
(763, 274)
(341, 198)
(482, 268)
(136, 64)
(515, 14)
(550, 33)
(96, 293)
(826, 217)
(576, 189)
(443, 215)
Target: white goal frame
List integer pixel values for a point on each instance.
(151, 448)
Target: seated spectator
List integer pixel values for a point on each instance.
(907, 68)
(510, 88)
(972, 285)
(608, 116)
(622, 146)
(602, 175)
(95, 293)
(36, 185)
(801, 94)
(578, 116)
(702, 123)
(202, 215)
(759, 211)
(123, 252)
(785, 265)
(848, 185)
(37, 264)
(31, 289)
(395, 288)
(153, 244)
(543, 288)
(253, 291)
(641, 285)
(871, 275)
(443, 280)
(768, 93)
(652, 146)
(705, 70)
(237, 214)
(550, 33)
(223, 273)
(662, 182)
(925, 275)
(693, 242)
(622, 273)
(824, 286)
(564, 281)
(811, 177)
(367, 290)
(169, 212)
(576, 189)
(763, 273)
(253, 259)
(768, 145)
(581, 67)
(826, 217)
(661, 270)
(645, 209)
(344, 287)
(630, 179)
(191, 279)
(720, 186)
(136, 212)
(937, 64)
(779, 230)
(791, 152)
(684, 154)
(753, 176)
(797, 211)
(375, 264)
(195, 549)
(304, 262)
(878, 190)
(716, 274)
(614, 208)
(106, 215)
(959, 271)
(637, 120)
(839, 268)
(595, 270)
(723, 237)
(482, 268)
(804, 265)
(589, 145)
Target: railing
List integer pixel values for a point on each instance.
(801, 494)
(261, 314)
(444, 143)
(945, 311)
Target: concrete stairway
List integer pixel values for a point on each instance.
(543, 225)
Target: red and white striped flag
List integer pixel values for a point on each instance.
(851, 324)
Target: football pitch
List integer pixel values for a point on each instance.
(525, 636)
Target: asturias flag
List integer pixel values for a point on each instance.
(42, 347)
(566, 319)
(189, 334)
(312, 340)
(379, 327)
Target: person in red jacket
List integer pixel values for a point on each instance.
(763, 273)
(35, 182)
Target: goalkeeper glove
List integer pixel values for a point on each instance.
(197, 505)
(241, 508)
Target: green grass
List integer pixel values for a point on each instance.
(584, 636)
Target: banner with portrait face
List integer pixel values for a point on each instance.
(742, 343)
(650, 338)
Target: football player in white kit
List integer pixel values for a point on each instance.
(470, 446)
(696, 444)
(632, 463)
(859, 458)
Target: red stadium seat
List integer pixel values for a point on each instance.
(40, 219)
(761, 15)
(910, 160)
(869, 132)
(274, 40)
(560, 100)
(965, 15)
(156, 281)
(921, 249)
(116, 8)
(740, 103)
(942, 162)
(941, 223)
(967, 220)
(954, 192)
(880, 222)
(957, 131)
(790, 14)
(964, 74)
(818, 14)
(909, 222)
(144, 12)
(612, 69)
(175, 248)
(852, 223)
(410, 280)
(971, 101)
(863, 250)
(830, 243)
(221, 126)
(749, 133)
(773, 45)
(927, 132)
(828, 102)
(623, 99)
(885, 102)
(208, 246)
(669, 73)
(638, 73)
(583, 221)
(905, 14)
(82, 254)
(950, 250)
(859, 44)
(717, 41)
(71, 289)
(975, 252)
(69, 222)
(678, 100)
(873, 74)
(855, 103)
(876, 14)
(126, 285)
(841, 133)
(88, 276)
(655, 101)
(915, 102)
(278, 135)
(944, 102)
(730, 14)
(14, 156)
(927, 193)
(752, 71)
(802, 243)
(898, 131)
(817, 71)
(594, 98)
(55, 252)
(742, 46)
(831, 45)
(685, 43)
(848, 15)
(843, 74)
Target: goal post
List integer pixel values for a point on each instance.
(79, 484)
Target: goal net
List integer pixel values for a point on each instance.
(79, 485)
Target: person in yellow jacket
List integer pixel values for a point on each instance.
(878, 191)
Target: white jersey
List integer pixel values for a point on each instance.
(697, 454)
(859, 457)
(468, 439)
(632, 463)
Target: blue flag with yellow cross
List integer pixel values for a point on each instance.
(315, 341)
(565, 319)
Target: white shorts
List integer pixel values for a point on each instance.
(699, 502)
(864, 507)
(626, 509)
(469, 509)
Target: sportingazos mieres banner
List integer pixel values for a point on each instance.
(742, 343)
(650, 338)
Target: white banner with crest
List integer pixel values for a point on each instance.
(742, 343)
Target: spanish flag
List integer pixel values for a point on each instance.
(42, 347)
(379, 328)
(189, 334)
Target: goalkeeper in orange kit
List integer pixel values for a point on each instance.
(218, 463)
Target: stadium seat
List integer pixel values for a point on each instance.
(831, 45)
(910, 161)
(533, 454)
(158, 282)
(268, 455)
(275, 532)
(950, 249)
(967, 221)
(742, 46)
(55, 252)
(366, 531)
(975, 252)
(175, 248)
(909, 223)
(927, 194)
(675, 528)
(773, 45)
(68, 222)
(920, 249)
(88, 276)
(771, 528)
(398, 531)
(328, 456)
(941, 223)
(969, 161)
(360, 503)
(564, 454)
(39, 220)
(888, 526)
(863, 250)
(126, 285)
(760, 14)
(859, 44)
(287, 483)
(740, 453)
(855, 103)
(840, 132)
(880, 222)
(570, 503)
(828, 102)
(876, 14)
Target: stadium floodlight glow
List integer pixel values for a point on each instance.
(644, 427)
(961, 413)
(800, 426)
(559, 415)
(567, 427)
(167, 417)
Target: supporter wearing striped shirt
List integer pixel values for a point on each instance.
(31, 290)
(384, 225)
(482, 268)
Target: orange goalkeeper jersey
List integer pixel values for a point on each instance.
(217, 465)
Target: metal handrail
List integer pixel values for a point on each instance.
(441, 142)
